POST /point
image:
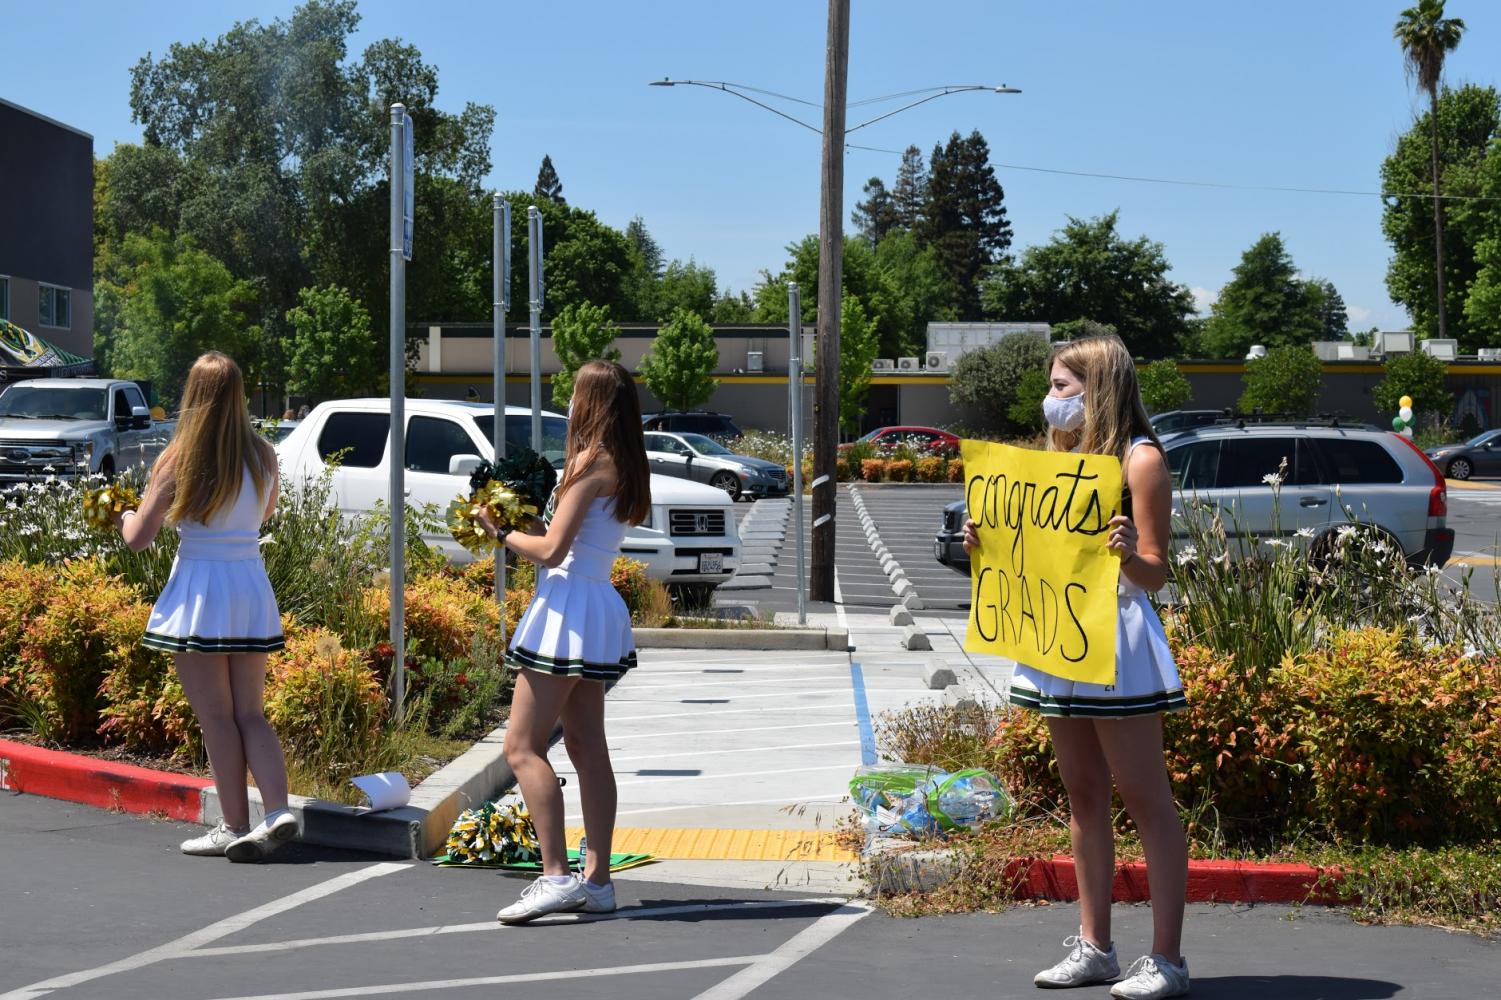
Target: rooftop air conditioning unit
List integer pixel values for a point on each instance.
(1490, 354)
(908, 364)
(882, 365)
(755, 361)
(1256, 351)
(1398, 342)
(1353, 352)
(936, 361)
(1448, 350)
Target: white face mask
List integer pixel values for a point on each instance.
(1066, 413)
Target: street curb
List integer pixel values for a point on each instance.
(103, 783)
(742, 638)
(1054, 879)
(416, 830)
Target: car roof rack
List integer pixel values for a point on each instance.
(1256, 418)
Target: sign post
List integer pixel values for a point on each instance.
(501, 304)
(534, 257)
(795, 394)
(402, 202)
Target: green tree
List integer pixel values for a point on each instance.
(1329, 307)
(985, 383)
(334, 350)
(964, 216)
(584, 260)
(911, 290)
(876, 215)
(1163, 387)
(580, 332)
(1264, 303)
(548, 186)
(733, 310)
(1089, 271)
(1469, 123)
(689, 286)
(173, 302)
(1025, 411)
(909, 194)
(680, 366)
(1285, 381)
(1419, 375)
(857, 348)
(267, 146)
(1427, 37)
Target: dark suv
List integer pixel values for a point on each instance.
(714, 425)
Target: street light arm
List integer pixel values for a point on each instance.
(931, 97)
(729, 89)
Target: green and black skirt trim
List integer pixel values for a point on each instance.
(196, 644)
(1072, 706)
(567, 667)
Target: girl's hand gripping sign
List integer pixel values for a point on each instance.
(1042, 583)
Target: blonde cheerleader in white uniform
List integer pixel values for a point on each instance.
(216, 482)
(1104, 731)
(576, 636)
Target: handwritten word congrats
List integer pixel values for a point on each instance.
(1043, 584)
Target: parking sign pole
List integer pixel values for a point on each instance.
(534, 258)
(396, 499)
(795, 405)
(500, 305)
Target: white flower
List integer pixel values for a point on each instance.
(1187, 554)
(267, 540)
(1277, 543)
(1304, 532)
(1433, 569)
(1272, 479)
(1345, 530)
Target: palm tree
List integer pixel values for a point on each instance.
(1426, 37)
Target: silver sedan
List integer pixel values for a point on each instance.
(693, 456)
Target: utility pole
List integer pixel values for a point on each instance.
(500, 282)
(830, 292)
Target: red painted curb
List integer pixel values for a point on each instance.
(103, 783)
(1208, 882)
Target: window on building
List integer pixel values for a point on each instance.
(4, 297)
(55, 307)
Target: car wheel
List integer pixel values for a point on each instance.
(727, 481)
(1460, 468)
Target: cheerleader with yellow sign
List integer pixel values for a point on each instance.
(1113, 730)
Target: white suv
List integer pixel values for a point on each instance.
(1334, 475)
(690, 537)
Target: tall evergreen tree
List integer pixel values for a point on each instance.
(910, 192)
(646, 245)
(1330, 309)
(876, 215)
(548, 185)
(1264, 303)
(965, 218)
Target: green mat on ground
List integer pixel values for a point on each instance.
(618, 862)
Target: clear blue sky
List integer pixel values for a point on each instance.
(1283, 92)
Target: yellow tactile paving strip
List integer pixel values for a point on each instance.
(724, 845)
(1467, 484)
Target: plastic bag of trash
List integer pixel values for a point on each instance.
(968, 798)
(883, 786)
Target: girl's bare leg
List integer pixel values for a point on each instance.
(536, 707)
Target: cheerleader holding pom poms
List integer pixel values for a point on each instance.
(216, 482)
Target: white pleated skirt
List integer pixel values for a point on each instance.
(575, 626)
(216, 606)
(1146, 677)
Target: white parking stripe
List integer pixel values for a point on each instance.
(223, 928)
(848, 723)
(803, 944)
(717, 753)
(675, 779)
(520, 977)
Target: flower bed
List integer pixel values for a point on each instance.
(73, 672)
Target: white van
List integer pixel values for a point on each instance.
(690, 537)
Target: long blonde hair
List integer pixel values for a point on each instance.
(214, 443)
(1113, 411)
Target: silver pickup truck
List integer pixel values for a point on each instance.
(65, 426)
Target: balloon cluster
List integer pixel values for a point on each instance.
(1402, 422)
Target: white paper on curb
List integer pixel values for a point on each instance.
(388, 790)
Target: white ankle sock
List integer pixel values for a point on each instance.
(559, 879)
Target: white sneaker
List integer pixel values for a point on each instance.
(268, 835)
(542, 897)
(1151, 977)
(599, 899)
(211, 844)
(1085, 965)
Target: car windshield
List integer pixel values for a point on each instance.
(869, 435)
(706, 446)
(54, 403)
(519, 432)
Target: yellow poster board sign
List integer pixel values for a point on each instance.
(1042, 582)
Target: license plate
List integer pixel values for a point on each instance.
(711, 562)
